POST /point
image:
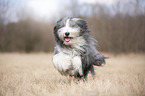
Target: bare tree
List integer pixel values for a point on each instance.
(4, 7)
(118, 28)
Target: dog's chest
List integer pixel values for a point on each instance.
(67, 62)
(71, 52)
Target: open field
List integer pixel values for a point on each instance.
(34, 75)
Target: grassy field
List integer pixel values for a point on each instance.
(34, 75)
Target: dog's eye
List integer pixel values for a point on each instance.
(74, 25)
(61, 26)
(59, 31)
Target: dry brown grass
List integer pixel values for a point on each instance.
(34, 75)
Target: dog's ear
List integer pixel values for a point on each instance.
(83, 25)
(59, 24)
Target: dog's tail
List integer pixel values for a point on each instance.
(100, 60)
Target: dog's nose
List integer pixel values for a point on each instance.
(67, 33)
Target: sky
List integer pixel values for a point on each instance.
(50, 8)
(46, 9)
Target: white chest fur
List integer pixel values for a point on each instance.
(67, 64)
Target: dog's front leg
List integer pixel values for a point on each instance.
(77, 63)
(62, 63)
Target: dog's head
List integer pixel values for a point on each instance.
(69, 30)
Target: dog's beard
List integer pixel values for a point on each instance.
(68, 39)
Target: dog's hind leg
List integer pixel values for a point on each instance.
(86, 72)
(92, 70)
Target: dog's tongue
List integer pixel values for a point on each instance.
(67, 39)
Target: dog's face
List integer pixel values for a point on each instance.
(69, 30)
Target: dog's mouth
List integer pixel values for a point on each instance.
(67, 39)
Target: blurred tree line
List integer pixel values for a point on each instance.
(118, 28)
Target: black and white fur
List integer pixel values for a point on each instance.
(75, 52)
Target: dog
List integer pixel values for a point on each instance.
(75, 52)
